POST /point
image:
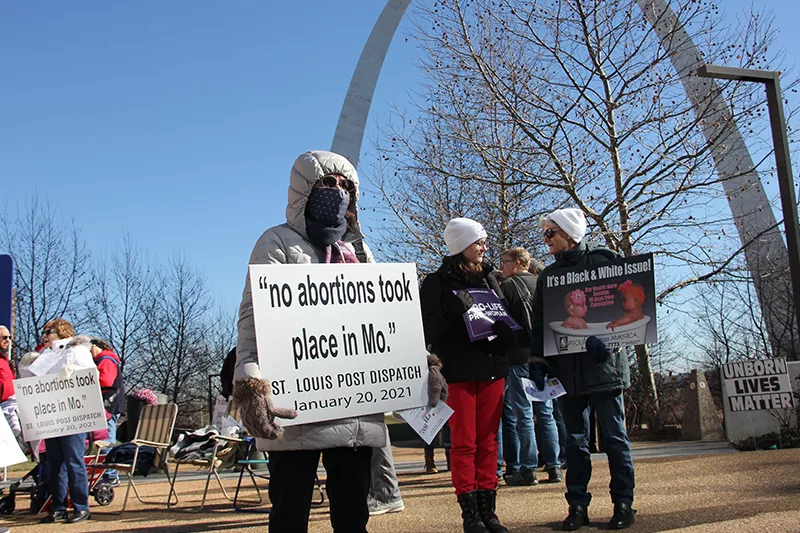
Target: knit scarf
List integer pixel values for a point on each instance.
(339, 252)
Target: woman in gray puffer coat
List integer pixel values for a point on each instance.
(321, 227)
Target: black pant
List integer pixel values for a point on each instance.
(291, 486)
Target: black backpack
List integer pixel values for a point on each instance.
(526, 297)
(114, 396)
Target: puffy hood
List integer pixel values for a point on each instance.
(80, 340)
(307, 170)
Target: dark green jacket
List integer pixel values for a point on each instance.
(579, 373)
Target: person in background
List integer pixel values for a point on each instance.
(444, 439)
(595, 378)
(113, 389)
(66, 468)
(384, 491)
(474, 371)
(226, 374)
(520, 448)
(536, 267)
(6, 374)
(8, 401)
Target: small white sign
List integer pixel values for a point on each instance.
(340, 340)
(46, 360)
(427, 421)
(552, 389)
(53, 405)
(12, 454)
(220, 411)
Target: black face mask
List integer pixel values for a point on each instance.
(327, 205)
(325, 215)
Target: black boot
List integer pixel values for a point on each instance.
(623, 516)
(487, 500)
(469, 512)
(54, 516)
(577, 518)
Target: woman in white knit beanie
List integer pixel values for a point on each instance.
(474, 371)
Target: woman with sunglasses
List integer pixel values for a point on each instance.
(474, 371)
(66, 468)
(593, 378)
(321, 227)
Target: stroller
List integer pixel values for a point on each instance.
(34, 483)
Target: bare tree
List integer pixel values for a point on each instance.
(179, 358)
(725, 324)
(428, 174)
(121, 299)
(52, 270)
(593, 115)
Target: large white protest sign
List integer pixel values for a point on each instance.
(340, 340)
(758, 384)
(54, 405)
(11, 453)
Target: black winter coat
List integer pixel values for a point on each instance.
(519, 354)
(446, 332)
(579, 372)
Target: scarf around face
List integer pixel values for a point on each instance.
(325, 215)
(340, 252)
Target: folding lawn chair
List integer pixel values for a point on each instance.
(212, 463)
(247, 467)
(156, 423)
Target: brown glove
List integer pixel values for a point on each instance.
(437, 386)
(252, 397)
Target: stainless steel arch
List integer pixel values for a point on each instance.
(355, 110)
(767, 258)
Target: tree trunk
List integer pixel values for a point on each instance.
(649, 386)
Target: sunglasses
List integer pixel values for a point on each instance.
(333, 181)
(550, 233)
(47, 332)
(5, 337)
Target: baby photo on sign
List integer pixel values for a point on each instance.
(614, 302)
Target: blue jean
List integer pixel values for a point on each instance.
(518, 440)
(112, 438)
(519, 445)
(67, 471)
(562, 431)
(383, 479)
(611, 417)
(545, 418)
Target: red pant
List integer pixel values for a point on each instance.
(478, 406)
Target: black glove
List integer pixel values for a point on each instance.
(437, 386)
(466, 299)
(597, 349)
(505, 335)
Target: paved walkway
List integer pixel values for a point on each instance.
(680, 487)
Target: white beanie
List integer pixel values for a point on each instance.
(460, 233)
(572, 221)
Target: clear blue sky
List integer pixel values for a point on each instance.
(177, 122)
